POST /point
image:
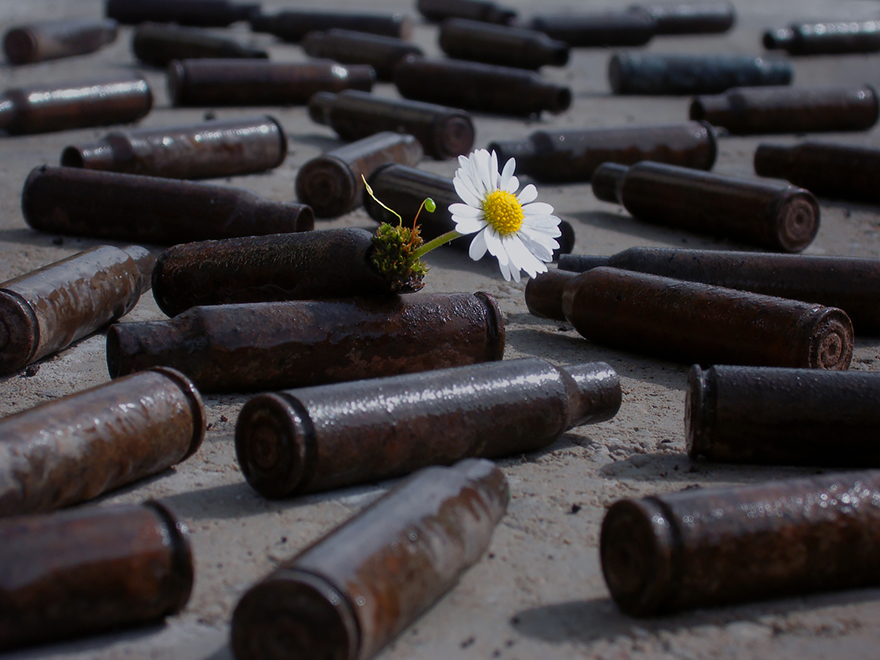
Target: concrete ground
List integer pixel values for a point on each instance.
(539, 591)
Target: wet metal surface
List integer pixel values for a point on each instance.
(478, 41)
(50, 40)
(352, 47)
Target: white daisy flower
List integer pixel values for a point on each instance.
(515, 229)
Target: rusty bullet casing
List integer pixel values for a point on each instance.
(543, 293)
(205, 150)
(351, 47)
(81, 202)
(331, 436)
(443, 132)
(476, 10)
(850, 283)
(52, 40)
(47, 310)
(752, 111)
(200, 13)
(329, 263)
(75, 448)
(772, 214)
(159, 44)
(478, 41)
(405, 188)
(659, 73)
(843, 171)
(90, 570)
(825, 38)
(294, 24)
(598, 29)
(482, 87)
(353, 591)
(238, 82)
(81, 104)
(783, 416)
(278, 345)
(709, 17)
(332, 183)
(571, 155)
(696, 322)
(707, 547)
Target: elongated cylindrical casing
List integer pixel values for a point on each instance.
(573, 154)
(294, 24)
(238, 82)
(352, 47)
(333, 184)
(598, 30)
(201, 13)
(159, 44)
(479, 41)
(444, 132)
(405, 188)
(483, 87)
(49, 309)
(350, 593)
(81, 202)
(706, 547)
(710, 17)
(660, 73)
(772, 214)
(825, 38)
(783, 416)
(330, 436)
(696, 322)
(80, 446)
(267, 346)
(850, 283)
(752, 111)
(844, 171)
(476, 10)
(544, 293)
(90, 570)
(78, 104)
(330, 263)
(52, 40)
(206, 150)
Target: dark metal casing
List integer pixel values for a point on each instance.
(159, 44)
(825, 38)
(352, 47)
(52, 40)
(478, 41)
(710, 17)
(477, 10)
(294, 24)
(599, 29)
(201, 13)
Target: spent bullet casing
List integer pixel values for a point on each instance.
(277, 345)
(90, 570)
(200, 13)
(850, 283)
(293, 24)
(353, 591)
(476, 10)
(598, 30)
(49, 309)
(771, 214)
(659, 73)
(752, 110)
(478, 41)
(780, 416)
(352, 47)
(206, 150)
(331, 436)
(333, 184)
(329, 263)
(543, 293)
(482, 87)
(75, 448)
(690, 17)
(570, 155)
(696, 322)
(843, 171)
(238, 82)
(707, 547)
(405, 188)
(79, 104)
(159, 44)
(444, 132)
(81, 202)
(825, 38)
(52, 40)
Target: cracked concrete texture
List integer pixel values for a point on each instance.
(539, 590)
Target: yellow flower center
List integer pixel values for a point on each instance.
(503, 212)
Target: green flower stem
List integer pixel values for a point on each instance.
(437, 242)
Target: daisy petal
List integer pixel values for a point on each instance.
(478, 246)
(520, 256)
(512, 185)
(464, 191)
(496, 249)
(465, 211)
(493, 171)
(506, 174)
(468, 225)
(528, 194)
(537, 208)
(540, 246)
